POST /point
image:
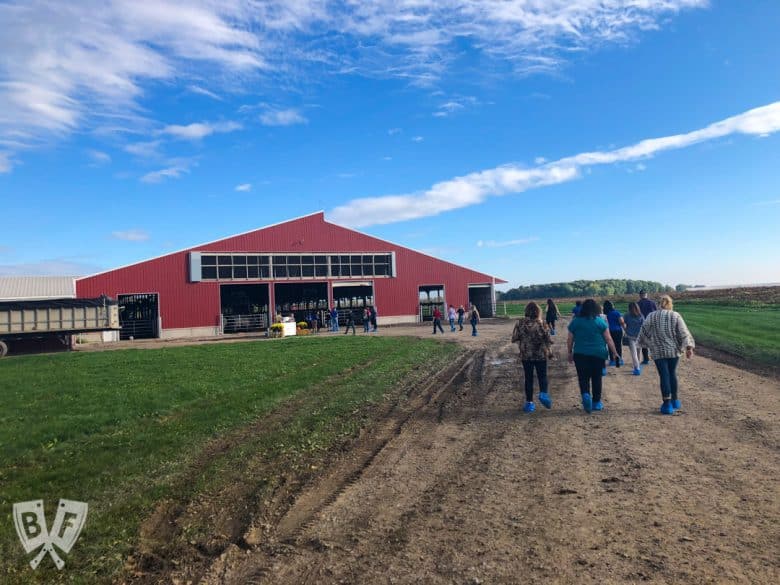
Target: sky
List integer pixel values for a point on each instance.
(535, 140)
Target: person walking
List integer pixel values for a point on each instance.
(666, 334)
(373, 318)
(334, 319)
(534, 342)
(350, 322)
(366, 320)
(646, 306)
(474, 319)
(634, 320)
(587, 346)
(451, 316)
(461, 312)
(616, 327)
(575, 310)
(437, 320)
(553, 314)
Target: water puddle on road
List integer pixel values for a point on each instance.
(500, 361)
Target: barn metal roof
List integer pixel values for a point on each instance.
(14, 288)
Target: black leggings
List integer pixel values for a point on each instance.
(589, 374)
(617, 337)
(541, 372)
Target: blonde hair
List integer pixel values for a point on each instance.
(666, 302)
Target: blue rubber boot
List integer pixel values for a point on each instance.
(587, 404)
(603, 371)
(620, 362)
(611, 363)
(545, 399)
(529, 407)
(598, 405)
(676, 404)
(637, 372)
(667, 408)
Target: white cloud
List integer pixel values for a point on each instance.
(131, 235)
(5, 162)
(50, 267)
(244, 187)
(65, 66)
(175, 169)
(199, 130)
(394, 131)
(98, 157)
(203, 91)
(765, 203)
(454, 105)
(474, 188)
(417, 138)
(148, 149)
(288, 117)
(505, 244)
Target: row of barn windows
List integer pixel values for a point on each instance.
(234, 266)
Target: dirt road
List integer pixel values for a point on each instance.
(465, 488)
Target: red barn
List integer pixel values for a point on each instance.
(303, 267)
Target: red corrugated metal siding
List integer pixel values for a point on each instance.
(184, 304)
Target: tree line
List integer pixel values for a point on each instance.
(585, 288)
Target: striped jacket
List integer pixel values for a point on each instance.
(665, 334)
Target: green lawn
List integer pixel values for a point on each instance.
(118, 429)
(747, 329)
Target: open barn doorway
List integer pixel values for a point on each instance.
(430, 296)
(243, 307)
(302, 300)
(139, 316)
(352, 296)
(481, 296)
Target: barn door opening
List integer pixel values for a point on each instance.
(481, 295)
(243, 307)
(430, 297)
(139, 316)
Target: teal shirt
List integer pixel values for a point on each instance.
(589, 337)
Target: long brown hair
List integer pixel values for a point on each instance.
(533, 311)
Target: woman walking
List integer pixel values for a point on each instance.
(664, 332)
(553, 314)
(587, 347)
(461, 312)
(534, 343)
(616, 327)
(634, 320)
(474, 319)
(437, 320)
(451, 314)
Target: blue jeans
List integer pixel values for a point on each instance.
(667, 372)
(452, 323)
(474, 328)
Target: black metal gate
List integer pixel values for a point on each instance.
(138, 316)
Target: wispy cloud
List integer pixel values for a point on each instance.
(394, 131)
(5, 162)
(131, 235)
(244, 187)
(495, 244)
(50, 267)
(417, 138)
(454, 105)
(765, 203)
(66, 64)
(199, 130)
(175, 169)
(474, 188)
(203, 91)
(285, 117)
(149, 149)
(98, 157)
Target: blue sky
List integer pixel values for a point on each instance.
(513, 137)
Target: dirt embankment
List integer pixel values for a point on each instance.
(456, 485)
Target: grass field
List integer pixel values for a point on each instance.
(747, 329)
(118, 429)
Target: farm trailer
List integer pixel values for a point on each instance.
(55, 319)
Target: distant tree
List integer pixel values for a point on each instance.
(583, 288)
(682, 287)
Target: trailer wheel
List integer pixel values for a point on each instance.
(3, 349)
